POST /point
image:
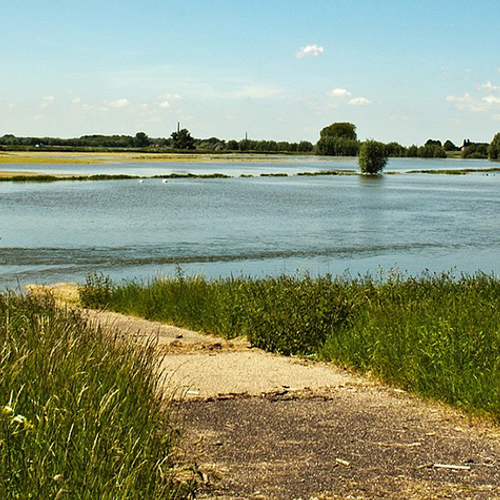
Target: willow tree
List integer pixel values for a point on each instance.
(372, 157)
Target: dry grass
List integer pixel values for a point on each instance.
(46, 157)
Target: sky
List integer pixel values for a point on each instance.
(400, 70)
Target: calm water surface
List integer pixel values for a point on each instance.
(251, 226)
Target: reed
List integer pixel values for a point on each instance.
(80, 411)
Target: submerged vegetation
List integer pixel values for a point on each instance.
(24, 178)
(80, 411)
(434, 334)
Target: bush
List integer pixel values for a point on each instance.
(372, 157)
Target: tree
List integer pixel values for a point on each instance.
(337, 146)
(477, 150)
(141, 140)
(395, 149)
(431, 151)
(494, 148)
(305, 147)
(340, 129)
(449, 146)
(433, 142)
(372, 157)
(182, 139)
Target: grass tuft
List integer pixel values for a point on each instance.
(80, 411)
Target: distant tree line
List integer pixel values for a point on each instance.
(180, 140)
(337, 139)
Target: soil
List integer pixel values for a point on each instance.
(261, 426)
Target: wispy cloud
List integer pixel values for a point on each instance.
(359, 101)
(119, 103)
(469, 102)
(47, 101)
(312, 50)
(489, 87)
(166, 100)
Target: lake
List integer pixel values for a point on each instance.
(254, 226)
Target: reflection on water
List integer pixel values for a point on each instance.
(251, 226)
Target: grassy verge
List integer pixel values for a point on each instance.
(434, 335)
(80, 412)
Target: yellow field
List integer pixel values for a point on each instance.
(44, 157)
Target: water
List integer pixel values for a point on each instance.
(251, 226)
(234, 167)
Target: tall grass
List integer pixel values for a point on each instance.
(433, 334)
(80, 412)
(284, 314)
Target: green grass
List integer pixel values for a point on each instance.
(435, 335)
(80, 412)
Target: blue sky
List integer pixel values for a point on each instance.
(399, 70)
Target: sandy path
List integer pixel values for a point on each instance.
(265, 426)
(203, 366)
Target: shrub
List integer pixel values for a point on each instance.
(372, 157)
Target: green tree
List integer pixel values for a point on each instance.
(433, 142)
(305, 147)
(141, 140)
(395, 149)
(477, 150)
(449, 146)
(412, 151)
(345, 130)
(494, 148)
(337, 146)
(372, 157)
(431, 151)
(182, 139)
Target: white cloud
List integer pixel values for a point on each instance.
(359, 101)
(488, 86)
(47, 101)
(469, 102)
(338, 92)
(312, 50)
(166, 100)
(341, 93)
(119, 103)
(491, 99)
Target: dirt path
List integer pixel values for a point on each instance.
(265, 426)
